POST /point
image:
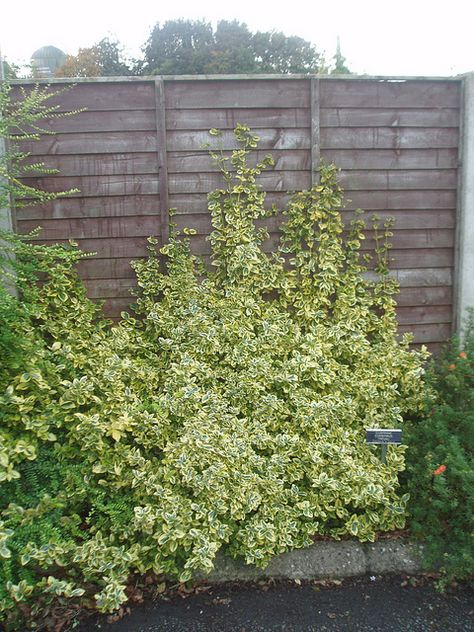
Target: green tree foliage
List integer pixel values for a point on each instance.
(193, 47)
(85, 64)
(179, 47)
(339, 62)
(441, 464)
(232, 50)
(10, 70)
(104, 59)
(112, 58)
(227, 410)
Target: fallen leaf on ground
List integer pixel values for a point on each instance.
(221, 601)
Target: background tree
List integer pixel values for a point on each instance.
(275, 52)
(104, 59)
(339, 61)
(84, 64)
(233, 49)
(193, 47)
(112, 59)
(10, 71)
(179, 47)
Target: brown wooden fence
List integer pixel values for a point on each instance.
(137, 150)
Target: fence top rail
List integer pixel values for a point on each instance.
(126, 79)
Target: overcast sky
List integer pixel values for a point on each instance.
(402, 37)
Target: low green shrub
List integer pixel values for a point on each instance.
(227, 410)
(440, 464)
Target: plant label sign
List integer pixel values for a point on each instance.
(383, 436)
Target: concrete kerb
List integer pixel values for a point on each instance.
(326, 560)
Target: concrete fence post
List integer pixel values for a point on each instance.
(6, 216)
(6, 220)
(465, 236)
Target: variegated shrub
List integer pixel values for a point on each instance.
(227, 410)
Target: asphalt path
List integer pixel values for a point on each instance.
(369, 604)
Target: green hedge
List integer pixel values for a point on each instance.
(440, 464)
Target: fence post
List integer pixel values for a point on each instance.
(6, 219)
(464, 282)
(160, 110)
(315, 131)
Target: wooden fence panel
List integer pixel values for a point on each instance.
(110, 152)
(278, 111)
(138, 150)
(397, 145)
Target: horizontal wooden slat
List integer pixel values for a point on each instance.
(386, 93)
(200, 161)
(100, 164)
(419, 238)
(407, 220)
(391, 200)
(147, 184)
(185, 204)
(95, 268)
(392, 116)
(110, 206)
(404, 220)
(299, 159)
(201, 222)
(89, 228)
(421, 258)
(436, 332)
(110, 288)
(427, 277)
(113, 121)
(388, 137)
(427, 292)
(399, 179)
(268, 181)
(392, 158)
(434, 238)
(93, 143)
(113, 306)
(289, 138)
(106, 248)
(207, 118)
(237, 94)
(410, 296)
(271, 139)
(424, 315)
(95, 96)
(371, 201)
(144, 184)
(288, 160)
